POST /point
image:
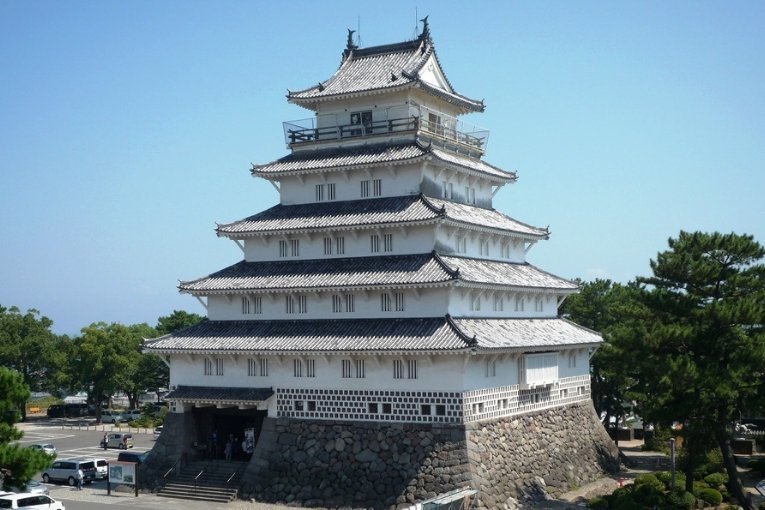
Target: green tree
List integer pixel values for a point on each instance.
(176, 321)
(701, 357)
(17, 464)
(28, 346)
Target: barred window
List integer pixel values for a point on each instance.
(295, 247)
(340, 245)
(263, 365)
(364, 189)
(346, 368)
(337, 304)
(282, 248)
(252, 305)
(411, 366)
(374, 243)
(399, 301)
(506, 250)
(448, 190)
(349, 303)
(218, 366)
(484, 246)
(360, 372)
(302, 302)
(398, 369)
(491, 368)
(331, 191)
(469, 195)
(388, 242)
(297, 368)
(385, 302)
(461, 245)
(252, 367)
(245, 306)
(289, 304)
(310, 369)
(538, 305)
(319, 192)
(328, 246)
(377, 185)
(208, 366)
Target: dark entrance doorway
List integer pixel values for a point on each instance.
(216, 427)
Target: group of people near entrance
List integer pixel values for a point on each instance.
(233, 448)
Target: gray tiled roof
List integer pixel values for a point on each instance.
(331, 215)
(411, 209)
(373, 272)
(343, 158)
(393, 270)
(373, 335)
(491, 272)
(525, 333)
(219, 394)
(381, 69)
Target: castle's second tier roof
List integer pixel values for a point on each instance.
(393, 271)
(387, 336)
(380, 212)
(383, 69)
(367, 156)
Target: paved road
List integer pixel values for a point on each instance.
(80, 438)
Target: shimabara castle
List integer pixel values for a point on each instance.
(384, 339)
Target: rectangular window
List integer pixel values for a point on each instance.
(411, 369)
(337, 304)
(298, 405)
(360, 372)
(398, 369)
(346, 368)
(475, 304)
(377, 187)
(469, 195)
(385, 302)
(506, 251)
(310, 368)
(425, 409)
(484, 246)
(374, 243)
(252, 305)
(440, 410)
(340, 245)
(311, 403)
(499, 304)
(572, 360)
(462, 245)
(282, 248)
(364, 189)
(319, 192)
(331, 191)
(328, 246)
(538, 304)
(388, 242)
(208, 366)
(491, 368)
(263, 365)
(297, 368)
(448, 190)
(399, 301)
(252, 367)
(289, 304)
(387, 409)
(350, 303)
(302, 302)
(218, 366)
(246, 306)
(373, 409)
(361, 123)
(519, 304)
(294, 247)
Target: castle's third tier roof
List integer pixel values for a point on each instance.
(380, 212)
(379, 69)
(368, 156)
(386, 336)
(393, 271)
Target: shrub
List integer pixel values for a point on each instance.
(629, 504)
(716, 480)
(711, 496)
(648, 491)
(681, 499)
(598, 503)
(649, 479)
(665, 477)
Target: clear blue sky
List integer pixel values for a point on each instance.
(127, 130)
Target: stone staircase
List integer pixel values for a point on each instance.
(206, 480)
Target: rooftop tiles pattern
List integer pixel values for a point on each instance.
(219, 394)
(487, 218)
(337, 158)
(491, 272)
(380, 69)
(374, 335)
(393, 270)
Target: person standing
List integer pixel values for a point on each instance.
(227, 449)
(105, 441)
(80, 477)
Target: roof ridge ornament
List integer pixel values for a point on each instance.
(350, 46)
(425, 34)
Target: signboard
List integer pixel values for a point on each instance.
(122, 472)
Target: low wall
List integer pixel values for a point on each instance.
(372, 465)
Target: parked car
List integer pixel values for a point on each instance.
(102, 468)
(32, 486)
(137, 457)
(31, 501)
(48, 448)
(117, 440)
(109, 416)
(133, 414)
(66, 471)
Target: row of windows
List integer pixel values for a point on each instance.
(460, 246)
(447, 191)
(369, 188)
(336, 245)
(253, 305)
(499, 304)
(258, 367)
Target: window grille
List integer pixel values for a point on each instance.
(295, 247)
(257, 305)
(506, 250)
(398, 369)
(289, 304)
(448, 190)
(462, 245)
(385, 302)
(346, 368)
(377, 187)
(252, 367)
(328, 246)
(282, 248)
(340, 245)
(302, 304)
(319, 192)
(360, 372)
(349, 303)
(491, 368)
(337, 304)
(484, 247)
(297, 367)
(475, 304)
(388, 242)
(263, 365)
(208, 366)
(310, 368)
(538, 305)
(374, 243)
(246, 306)
(411, 366)
(218, 366)
(331, 191)
(364, 189)
(399, 301)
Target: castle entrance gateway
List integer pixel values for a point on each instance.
(221, 415)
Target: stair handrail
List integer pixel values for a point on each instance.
(196, 480)
(172, 467)
(235, 473)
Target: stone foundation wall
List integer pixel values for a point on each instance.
(175, 441)
(372, 465)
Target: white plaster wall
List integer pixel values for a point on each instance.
(460, 304)
(573, 362)
(448, 240)
(384, 107)
(506, 371)
(426, 303)
(410, 240)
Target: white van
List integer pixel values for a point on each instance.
(31, 501)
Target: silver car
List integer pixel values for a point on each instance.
(48, 448)
(66, 471)
(32, 487)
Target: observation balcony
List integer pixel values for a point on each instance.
(427, 125)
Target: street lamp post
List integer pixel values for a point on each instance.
(672, 459)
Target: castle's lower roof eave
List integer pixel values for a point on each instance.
(435, 335)
(219, 395)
